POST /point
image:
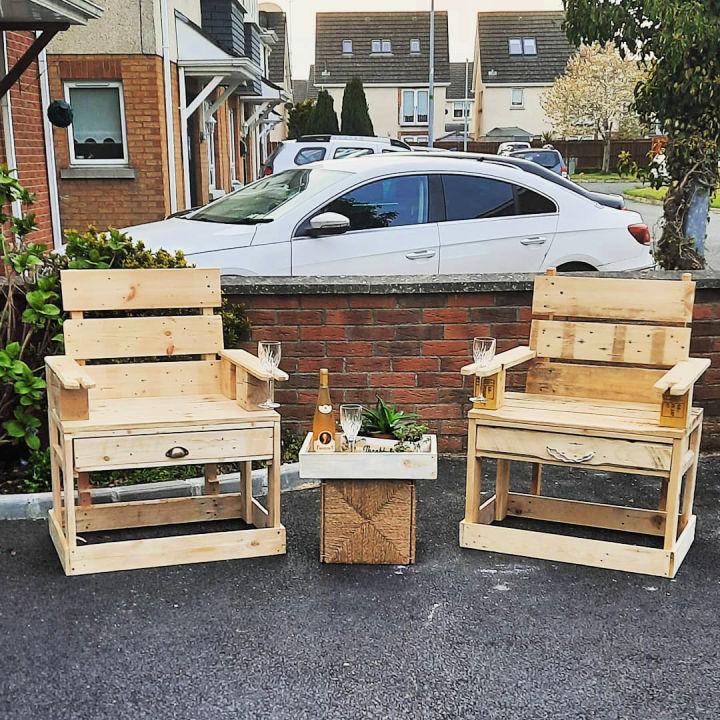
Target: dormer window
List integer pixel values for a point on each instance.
(522, 46)
(381, 46)
(515, 46)
(529, 46)
(347, 47)
(415, 45)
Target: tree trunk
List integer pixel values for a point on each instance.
(607, 138)
(685, 215)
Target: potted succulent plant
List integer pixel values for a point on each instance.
(388, 422)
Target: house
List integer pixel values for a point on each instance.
(389, 52)
(171, 108)
(274, 19)
(518, 56)
(26, 27)
(460, 101)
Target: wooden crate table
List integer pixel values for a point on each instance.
(125, 415)
(609, 388)
(367, 501)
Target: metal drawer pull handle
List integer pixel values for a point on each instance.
(564, 457)
(177, 452)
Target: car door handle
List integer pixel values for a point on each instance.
(534, 240)
(421, 255)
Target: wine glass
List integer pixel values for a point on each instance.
(483, 354)
(269, 353)
(351, 421)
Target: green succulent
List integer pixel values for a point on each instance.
(386, 419)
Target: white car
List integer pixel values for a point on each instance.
(408, 214)
(506, 148)
(315, 148)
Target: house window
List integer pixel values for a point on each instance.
(415, 45)
(529, 46)
(517, 99)
(386, 46)
(460, 108)
(347, 47)
(414, 110)
(515, 46)
(97, 135)
(381, 46)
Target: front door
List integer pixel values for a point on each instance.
(390, 233)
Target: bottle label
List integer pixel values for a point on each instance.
(325, 409)
(325, 442)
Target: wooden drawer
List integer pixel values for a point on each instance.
(574, 449)
(183, 448)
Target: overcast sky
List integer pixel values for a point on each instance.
(461, 15)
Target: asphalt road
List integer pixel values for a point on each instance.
(652, 214)
(461, 634)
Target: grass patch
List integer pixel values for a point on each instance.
(598, 176)
(652, 194)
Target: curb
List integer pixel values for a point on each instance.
(659, 203)
(35, 506)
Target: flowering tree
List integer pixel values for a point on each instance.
(595, 96)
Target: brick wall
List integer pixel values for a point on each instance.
(27, 115)
(117, 202)
(409, 341)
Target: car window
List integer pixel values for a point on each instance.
(254, 202)
(342, 152)
(470, 197)
(531, 203)
(546, 158)
(309, 154)
(391, 202)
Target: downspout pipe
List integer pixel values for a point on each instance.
(9, 135)
(169, 124)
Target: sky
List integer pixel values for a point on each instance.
(461, 16)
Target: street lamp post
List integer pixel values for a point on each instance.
(431, 79)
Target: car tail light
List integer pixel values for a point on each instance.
(564, 170)
(641, 232)
(267, 170)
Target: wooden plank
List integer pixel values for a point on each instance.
(58, 539)
(102, 338)
(473, 478)
(680, 378)
(603, 382)
(273, 481)
(486, 513)
(212, 483)
(673, 496)
(537, 444)
(71, 375)
(84, 489)
(140, 289)
(67, 404)
(567, 549)
(667, 301)
(246, 490)
(504, 360)
(378, 465)
(258, 515)
(610, 342)
(251, 363)
(163, 511)
(155, 379)
(588, 514)
(682, 546)
(502, 489)
(163, 449)
(536, 481)
(177, 550)
(688, 496)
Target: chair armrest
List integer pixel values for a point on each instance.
(503, 361)
(251, 364)
(69, 372)
(680, 378)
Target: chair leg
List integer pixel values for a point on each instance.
(502, 488)
(673, 496)
(246, 489)
(68, 475)
(688, 496)
(473, 478)
(273, 491)
(84, 494)
(662, 504)
(212, 484)
(536, 484)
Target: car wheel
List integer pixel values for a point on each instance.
(576, 267)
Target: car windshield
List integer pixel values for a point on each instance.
(254, 203)
(546, 158)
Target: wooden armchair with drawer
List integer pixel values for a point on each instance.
(201, 409)
(609, 387)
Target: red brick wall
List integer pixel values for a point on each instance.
(410, 347)
(27, 115)
(113, 202)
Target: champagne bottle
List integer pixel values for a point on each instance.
(324, 419)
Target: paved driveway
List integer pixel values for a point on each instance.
(461, 634)
(652, 215)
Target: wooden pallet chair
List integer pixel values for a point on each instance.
(202, 409)
(609, 387)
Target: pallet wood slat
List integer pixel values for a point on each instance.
(502, 361)
(71, 375)
(91, 290)
(252, 364)
(599, 395)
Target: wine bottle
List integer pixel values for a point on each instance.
(324, 419)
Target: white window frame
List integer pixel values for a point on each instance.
(232, 146)
(517, 106)
(519, 46)
(67, 86)
(534, 45)
(376, 46)
(386, 43)
(345, 43)
(415, 45)
(415, 120)
(463, 106)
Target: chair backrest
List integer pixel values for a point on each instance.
(607, 338)
(164, 335)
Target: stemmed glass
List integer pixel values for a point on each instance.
(269, 353)
(483, 354)
(351, 421)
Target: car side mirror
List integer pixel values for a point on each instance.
(329, 223)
